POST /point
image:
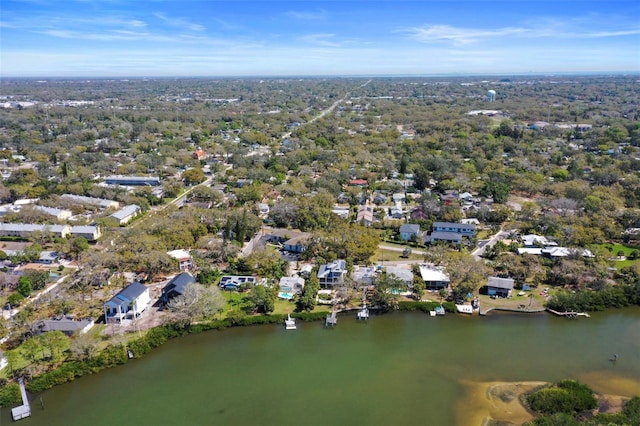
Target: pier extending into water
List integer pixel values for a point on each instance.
(569, 314)
(332, 319)
(24, 410)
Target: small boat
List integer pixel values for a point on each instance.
(363, 314)
(290, 323)
(439, 310)
(464, 309)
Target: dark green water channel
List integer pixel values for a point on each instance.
(398, 369)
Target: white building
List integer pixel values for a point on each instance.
(126, 214)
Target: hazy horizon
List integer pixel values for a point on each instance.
(204, 39)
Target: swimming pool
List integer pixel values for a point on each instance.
(286, 296)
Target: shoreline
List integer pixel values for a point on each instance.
(500, 403)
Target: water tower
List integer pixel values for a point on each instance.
(491, 95)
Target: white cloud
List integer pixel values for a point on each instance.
(459, 36)
(179, 22)
(306, 15)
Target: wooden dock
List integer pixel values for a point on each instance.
(569, 314)
(24, 410)
(332, 319)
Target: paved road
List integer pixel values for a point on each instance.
(482, 246)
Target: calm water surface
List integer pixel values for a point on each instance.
(398, 369)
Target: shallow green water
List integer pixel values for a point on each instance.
(399, 369)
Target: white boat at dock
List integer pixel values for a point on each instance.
(290, 323)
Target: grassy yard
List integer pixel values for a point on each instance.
(614, 249)
(390, 255)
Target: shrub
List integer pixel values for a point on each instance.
(10, 395)
(567, 396)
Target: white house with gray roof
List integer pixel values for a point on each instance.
(90, 232)
(26, 230)
(129, 303)
(126, 214)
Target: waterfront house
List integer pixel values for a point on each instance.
(333, 273)
(434, 277)
(67, 325)
(236, 282)
(176, 286)
(126, 214)
(501, 287)
(402, 274)
(292, 285)
(130, 302)
(409, 232)
(364, 276)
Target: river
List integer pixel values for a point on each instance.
(396, 369)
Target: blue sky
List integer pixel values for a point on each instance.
(147, 38)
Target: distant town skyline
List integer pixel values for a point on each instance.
(189, 38)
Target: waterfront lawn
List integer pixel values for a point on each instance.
(614, 249)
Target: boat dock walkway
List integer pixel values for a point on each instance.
(24, 410)
(332, 319)
(569, 314)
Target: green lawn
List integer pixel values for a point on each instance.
(627, 250)
(390, 255)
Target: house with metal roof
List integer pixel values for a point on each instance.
(132, 180)
(97, 202)
(90, 232)
(59, 214)
(465, 229)
(409, 231)
(66, 325)
(126, 214)
(129, 303)
(332, 273)
(26, 230)
(176, 286)
(434, 277)
(500, 287)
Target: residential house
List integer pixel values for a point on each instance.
(292, 285)
(500, 287)
(333, 273)
(183, 257)
(434, 277)
(97, 202)
(365, 215)
(91, 233)
(292, 240)
(449, 237)
(532, 240)
(364, 276)
(358, 182)
(199, 154)
(402, 274)
(132, 180)
(176, 286)
(236, 282)
(465, 229)
(396, 210)
(26, 230)
(66, 325)
(59, 214)
(129, 303)
(341, 210)
(409, 232)
(48, 257)
(126, 214)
